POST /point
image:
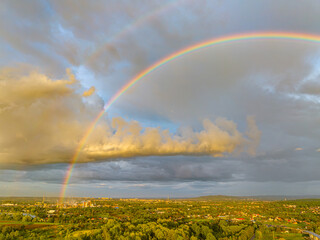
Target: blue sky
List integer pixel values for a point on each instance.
(240, 118)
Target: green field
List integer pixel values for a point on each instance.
(286, 236)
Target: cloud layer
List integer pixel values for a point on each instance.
(42, 121)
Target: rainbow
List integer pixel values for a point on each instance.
(173, 56)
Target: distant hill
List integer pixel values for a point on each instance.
(218, 198)
(37, 199)
(263, 197)
(201, 198)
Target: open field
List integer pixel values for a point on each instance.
(286, 236)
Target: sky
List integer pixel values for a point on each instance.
(239, 118)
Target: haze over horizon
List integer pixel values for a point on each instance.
(239, 118)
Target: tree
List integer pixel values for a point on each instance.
(106, 235)
(258, 235)
(2, 236)
(159, 234)
(210, 237)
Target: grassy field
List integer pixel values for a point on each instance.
(286, 236)
(28, 225)
(10, 222)
(282, 224)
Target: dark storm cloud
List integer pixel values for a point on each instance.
(152, 169)
(284, 166)
(159, 169)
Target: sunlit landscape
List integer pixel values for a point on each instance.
(211, 217)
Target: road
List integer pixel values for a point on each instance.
(312, 233)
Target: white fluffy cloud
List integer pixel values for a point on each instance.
(216, 139)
